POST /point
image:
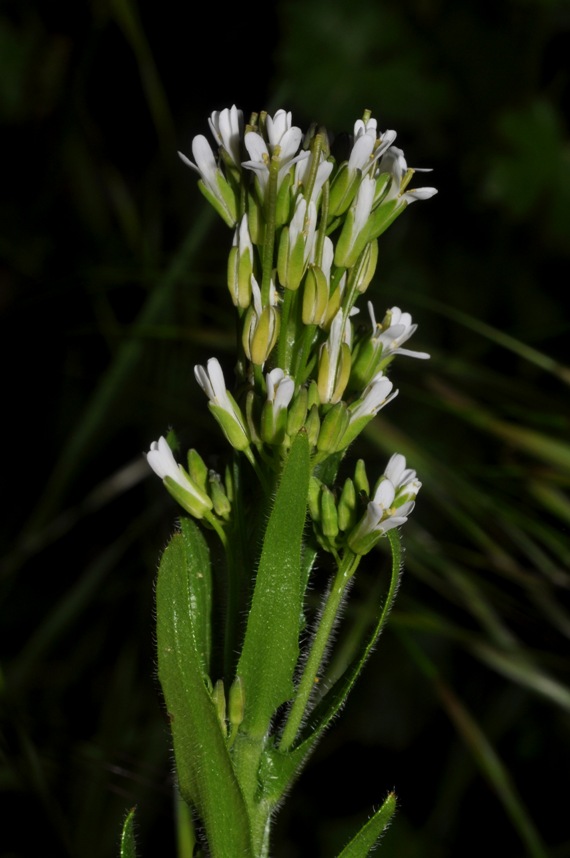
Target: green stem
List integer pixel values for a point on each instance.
(306, 686)
(299, 371)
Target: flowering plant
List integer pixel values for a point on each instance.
(241, 652)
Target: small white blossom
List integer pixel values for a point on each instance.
(280, 389)
(212, 177)
(375, 396)
(390, 506)
(283, 141)
(334, 360)
(395, 330)
(394, 162)
(161, 459)
(225, 408)
(227, 128)
(368, 147)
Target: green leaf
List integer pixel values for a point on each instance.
(128, 846)
(271, 646)
(205, 773)
(367, 838)
(199, 589)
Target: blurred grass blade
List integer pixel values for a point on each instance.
(482, 751)
(112, 384)
(127, 18)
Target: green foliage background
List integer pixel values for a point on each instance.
(112, 286)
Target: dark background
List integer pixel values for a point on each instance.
(112, 286)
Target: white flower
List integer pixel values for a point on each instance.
(394, 162)
(395, 330)
(334, 360)
(283, 141)
(227, 128)
(213, 383)
(223, 405)
(368, 147)
(391, 504)
(281, 131)
(161, 459)
(376, 395)
(212, 177)
(280, 389)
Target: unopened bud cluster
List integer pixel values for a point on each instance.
(305, 225)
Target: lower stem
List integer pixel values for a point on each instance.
(305, 688)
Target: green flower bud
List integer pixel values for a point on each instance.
(332, 380)
(315, 296)
(197, 470)
(260, 333)
(255, 221)
(314, 498)
(343, 189)
(361, 483)
(219, 698)
(240, 266)
(333, 427)
(222, 506)
(297, 413)
(236, 707)
(313, 395)
(313, 425)
(347, 506)
(329, 515)
(367, 266)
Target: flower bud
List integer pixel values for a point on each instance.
(261, 325)
(314, 498)
(260, 333)
(236, 703)
(240, 266)
(343, 188)
(222, 506)
(315, 296)
(329, 516)
(313, 425)
(297, 412)
(333, 427)
(219, 699)
(197, 469)
(361, 483)
(347, 505)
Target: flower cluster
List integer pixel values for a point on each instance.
(305, 228)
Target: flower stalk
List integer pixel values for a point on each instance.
(237, 674)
